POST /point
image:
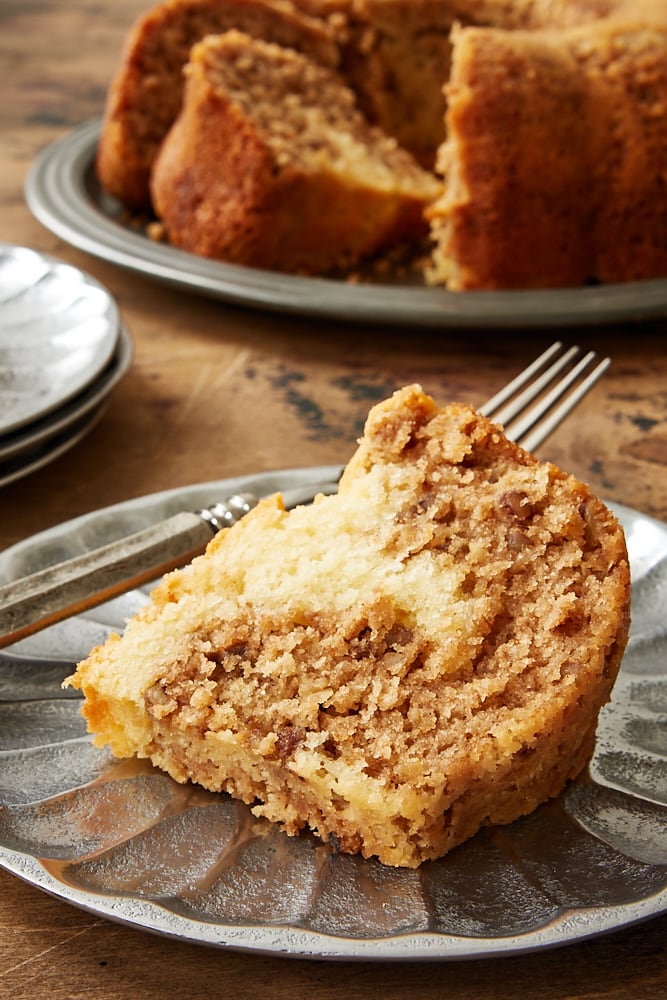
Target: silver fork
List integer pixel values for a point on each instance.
(530, 407)
(553, 397)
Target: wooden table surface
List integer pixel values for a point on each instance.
(215, 391)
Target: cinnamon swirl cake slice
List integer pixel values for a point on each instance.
(395, 666)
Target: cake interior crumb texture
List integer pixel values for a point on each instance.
(395, 666)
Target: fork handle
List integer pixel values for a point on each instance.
(68, 588)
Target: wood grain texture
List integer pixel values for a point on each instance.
(216, 391)
(50, 949)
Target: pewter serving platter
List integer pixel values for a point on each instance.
(124, 841)
(63, 193)
(58, 331)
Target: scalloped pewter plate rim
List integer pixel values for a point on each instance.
(91, 359)
(63, 195)
(31, 448)
(568, 926)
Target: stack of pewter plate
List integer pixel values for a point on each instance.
(62, 350)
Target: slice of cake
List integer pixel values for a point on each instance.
(394, 666)
(270, 164)
(146, 93)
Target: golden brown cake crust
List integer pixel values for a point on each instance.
(555, 159)
(439, 667)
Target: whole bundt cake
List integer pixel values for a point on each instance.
(544, 121)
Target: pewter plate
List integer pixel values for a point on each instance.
(38, 432)
(63, 193)
(30, 448)
(58, 330)
(122, 840)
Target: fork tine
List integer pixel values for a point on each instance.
(491, 406)
(511, 407)
(533, 440)
(518, 405)
(521, 425)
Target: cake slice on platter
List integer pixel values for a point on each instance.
(271, 164)
(146, 92)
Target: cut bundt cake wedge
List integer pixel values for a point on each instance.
(147, 89)
(270, 164)
(395, 666)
